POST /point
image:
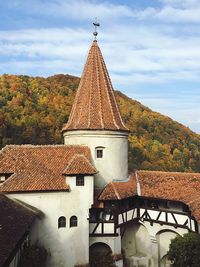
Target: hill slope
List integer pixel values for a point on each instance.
(33, 110)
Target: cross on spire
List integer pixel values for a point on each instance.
(95, 33)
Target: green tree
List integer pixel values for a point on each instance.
(184, 250)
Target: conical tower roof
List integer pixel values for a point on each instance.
(95, 107)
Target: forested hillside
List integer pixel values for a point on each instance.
(33, 110)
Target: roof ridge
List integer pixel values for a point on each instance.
(104, 70)
(99, 91)
(115, 190)
(37, 146)
(185, 173)
(70, 161)
(90, 96)
(75, 157)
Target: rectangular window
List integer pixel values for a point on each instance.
(80, 180)
(99, 153)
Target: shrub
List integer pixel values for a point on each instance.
(33, 256)
(184, 251)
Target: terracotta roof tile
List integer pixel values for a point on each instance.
(40, 168)
(119, 190)
(15, 220)
(79, 164)
(95, 107)
(177, 186)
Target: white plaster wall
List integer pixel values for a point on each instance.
(114, 242)
(66, 246)
(164, 240)
(156, 227)
(154, 231)
(109, 228)
(150, 240)
(114, 164)
(136, 240)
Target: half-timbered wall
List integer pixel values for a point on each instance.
(145, 227)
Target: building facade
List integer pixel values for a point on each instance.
(91, 204)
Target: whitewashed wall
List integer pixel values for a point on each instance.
(147, 244)
(114, 164)
(66, 246)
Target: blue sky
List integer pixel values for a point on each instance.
(151, 48)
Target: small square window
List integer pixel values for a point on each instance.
(80, 180)
(99, 153)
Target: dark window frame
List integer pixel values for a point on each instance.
(80, 180)
(62, 222)
(73, 222)
(99, 153)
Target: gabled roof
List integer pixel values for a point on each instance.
(40, 168)
(15, 221)
(175, 186)
(79, 164)
(95, 107)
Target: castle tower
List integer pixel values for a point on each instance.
(95, 121)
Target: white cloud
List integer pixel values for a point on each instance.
(181, 3)
(148, 56)
(76, 9)
(171, 14)
(146, 46)
(85, 10)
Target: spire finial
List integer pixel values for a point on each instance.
(95, 33)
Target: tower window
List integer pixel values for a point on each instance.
(80, 180)
(73, 221)
(99, 152)
(61, 222)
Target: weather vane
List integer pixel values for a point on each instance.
(95, 33)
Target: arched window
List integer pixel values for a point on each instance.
(73, 221)
(61, 222)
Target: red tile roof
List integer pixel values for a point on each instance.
(15, 221)
(95, 107)
(184, 187)
(176, 186)
(79, 164)
(40, 168)
(119, 190)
